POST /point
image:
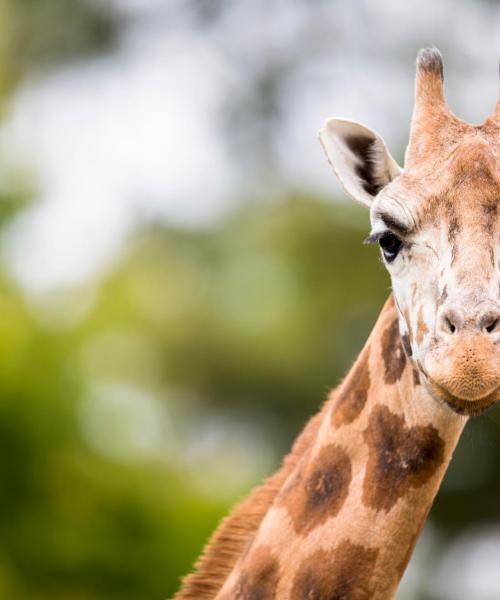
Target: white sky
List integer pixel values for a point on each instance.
(115, 140)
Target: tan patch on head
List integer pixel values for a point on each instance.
(422, 329)
(443, 296)
(259, 577)
(400, 458)
(406, 316)
(319, 489)
(353, 393)
(343, 574)
(393, 353)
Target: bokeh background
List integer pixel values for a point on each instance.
(182, 279)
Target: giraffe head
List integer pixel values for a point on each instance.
(438, 225)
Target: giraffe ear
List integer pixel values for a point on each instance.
(359, 158)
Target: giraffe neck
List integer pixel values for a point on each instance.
(346, 517)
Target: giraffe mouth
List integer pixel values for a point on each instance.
(464, 406)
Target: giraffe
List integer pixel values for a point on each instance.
(341, 517)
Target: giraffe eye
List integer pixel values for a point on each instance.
(391, 245)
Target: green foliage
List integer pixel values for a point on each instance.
(73, 523)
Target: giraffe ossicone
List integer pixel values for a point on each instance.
(341, 517)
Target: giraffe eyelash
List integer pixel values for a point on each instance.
(390, 244)
(373, 238)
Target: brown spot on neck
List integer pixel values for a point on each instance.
(393, 353)
(259, 577)
(343, 574)
(319, 489)
(353, 393)
(405, 339)
(400, 458)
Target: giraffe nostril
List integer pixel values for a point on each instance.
(451, 321)
(490, 321)
(449, 325)
(491, 326)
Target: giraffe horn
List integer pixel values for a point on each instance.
(430, 113)
(429, 79)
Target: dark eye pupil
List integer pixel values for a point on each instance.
(391, 245)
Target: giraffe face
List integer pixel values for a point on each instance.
(439, 234)
(438, 225)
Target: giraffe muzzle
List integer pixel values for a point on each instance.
(465, 373)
